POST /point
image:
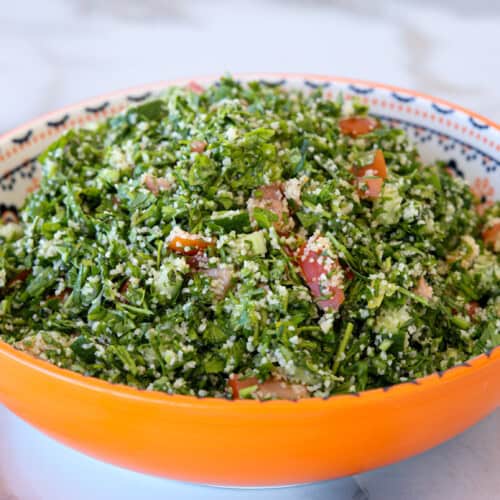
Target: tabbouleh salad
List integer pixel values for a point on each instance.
(247, 241)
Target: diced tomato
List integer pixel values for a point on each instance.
(491, 236)
(19, 278)
(377, 168)
(322, 272)
(271, 198)
(195, 87)
(197, 261)
(357, 125)
(472, 308)
(187, 243)
(369, 187)
(423, 289)
(150, 182)
(123, 290)
(198, 146)
(271, 192)
(370, 178)
(277, 388)
(221, 280)
(236, 384)
(221, 276)
(60, 296)
(156, 184)
(124, 286)
(271, 388)
(349, 275)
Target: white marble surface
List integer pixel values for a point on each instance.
(56, 52)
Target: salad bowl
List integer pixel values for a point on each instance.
(253, 443)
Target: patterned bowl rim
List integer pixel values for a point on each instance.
(403, 389)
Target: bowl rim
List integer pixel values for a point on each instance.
(402, 389)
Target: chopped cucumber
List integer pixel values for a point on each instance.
(253, 243)
(231, 220)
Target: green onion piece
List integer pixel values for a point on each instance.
(342, 346)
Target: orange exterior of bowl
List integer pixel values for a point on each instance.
(249, 443)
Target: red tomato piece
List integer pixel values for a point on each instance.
(274, 387)
(491, 236)
(370, 178)
(357, 125)
(272, 192)
(198, 146)
(237, 384)
(349, 275)
(377, 168)
(60, 296)
(472, 308)
(221, 280)
(322, 272)
(186, 243)
(423, 289)
(156, 184)
(20, 277)
(369, 187)
(197, 261)
(271, 198)
(124, 286)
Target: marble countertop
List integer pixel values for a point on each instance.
(56, 52)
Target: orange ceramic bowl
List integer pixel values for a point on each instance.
(248, 442)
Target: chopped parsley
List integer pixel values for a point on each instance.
(249, 240)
